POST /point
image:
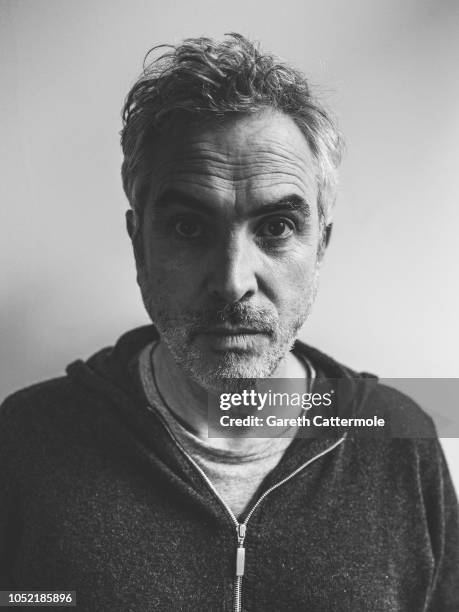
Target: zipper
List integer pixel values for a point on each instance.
(240, 566)
(241, 528)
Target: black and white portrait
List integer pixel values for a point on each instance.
(229, 313)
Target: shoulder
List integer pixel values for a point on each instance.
(372, 397)
(404, 416)
(38, 393)
(38, 407)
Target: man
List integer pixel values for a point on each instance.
(117, 480)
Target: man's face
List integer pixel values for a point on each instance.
(229, 245)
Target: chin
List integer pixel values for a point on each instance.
(228, 372)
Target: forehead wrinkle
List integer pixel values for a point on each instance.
(273, 166)
(243, 168)
(192, 161)
(234, 188)
(209, 190)
(250, 182)
(273, 147)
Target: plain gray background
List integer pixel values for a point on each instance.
(388, 301)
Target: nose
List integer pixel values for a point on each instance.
(232, 276)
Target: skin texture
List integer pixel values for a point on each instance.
(228, 252)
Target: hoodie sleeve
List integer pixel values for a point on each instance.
(443, 521)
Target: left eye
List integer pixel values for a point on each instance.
(276, 228)
(188, 228)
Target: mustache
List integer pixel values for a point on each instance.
(237, 314)
(242, 314)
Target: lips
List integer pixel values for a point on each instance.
(232, 331)
(221, 339)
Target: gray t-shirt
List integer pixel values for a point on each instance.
(235, 474)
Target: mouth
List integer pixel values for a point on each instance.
(232, 331)
(232, 338)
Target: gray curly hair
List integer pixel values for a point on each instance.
(202, 79)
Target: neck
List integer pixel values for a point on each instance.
(190, 402)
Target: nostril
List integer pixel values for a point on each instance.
(231, 294)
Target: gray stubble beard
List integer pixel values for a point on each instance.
(177, 331)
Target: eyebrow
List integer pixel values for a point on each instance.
(291, 202)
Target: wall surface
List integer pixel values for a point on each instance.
(389, 297)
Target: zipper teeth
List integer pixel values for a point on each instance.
(237, 594)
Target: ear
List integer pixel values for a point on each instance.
(133, 229)
(130, 223)
(327, 234)
(324, 241)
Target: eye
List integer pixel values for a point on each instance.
(188, 228)
(276, 228)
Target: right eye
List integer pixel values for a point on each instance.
(188, 228)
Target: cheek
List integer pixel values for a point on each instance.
(170, 274)
(292, 275)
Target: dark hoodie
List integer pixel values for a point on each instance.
(98, 498)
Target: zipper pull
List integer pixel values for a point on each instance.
(240, 553)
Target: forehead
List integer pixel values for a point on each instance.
(239, 161)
